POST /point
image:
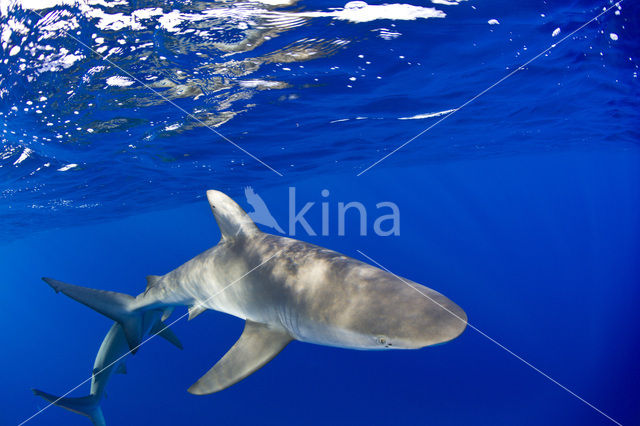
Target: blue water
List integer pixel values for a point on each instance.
(522, 207)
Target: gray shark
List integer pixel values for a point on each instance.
(110, 359)
(285, 290)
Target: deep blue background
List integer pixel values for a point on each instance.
(541, 251)
(523, 208)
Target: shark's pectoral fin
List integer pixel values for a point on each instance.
(122, 368)
(258, 345)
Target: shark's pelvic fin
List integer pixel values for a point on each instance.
(87, 405)
(167, 313)
(117, 306)
(162, 330)
(195, 310)
(257, 345)
(232, 220)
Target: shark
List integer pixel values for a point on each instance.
(284, 289)
(109, 360)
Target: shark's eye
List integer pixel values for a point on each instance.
(382, 340)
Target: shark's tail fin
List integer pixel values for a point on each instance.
(117, 306)
(87, 405)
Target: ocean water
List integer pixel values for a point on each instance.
(521, 205)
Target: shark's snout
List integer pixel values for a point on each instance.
(431, 319)
(411, 319)
(447, 323)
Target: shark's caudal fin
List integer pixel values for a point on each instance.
(87, 405)
(117, 306)
(232, 220)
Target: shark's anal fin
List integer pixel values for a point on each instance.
(257, 345)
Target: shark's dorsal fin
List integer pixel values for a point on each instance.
(195, 310)
(232, 220)
(257, 345)
(152, 280)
